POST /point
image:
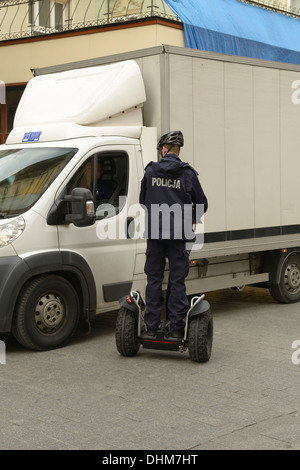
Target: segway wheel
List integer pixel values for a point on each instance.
(127, 341)
(200, 337)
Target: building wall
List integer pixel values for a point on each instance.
(292, 6)
(18, 57)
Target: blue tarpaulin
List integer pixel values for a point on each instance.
(237, 28)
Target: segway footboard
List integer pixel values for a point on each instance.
(161, 342)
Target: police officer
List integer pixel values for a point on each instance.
(170, 194)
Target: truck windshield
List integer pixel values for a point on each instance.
(26, 173)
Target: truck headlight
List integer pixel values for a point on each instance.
(9, 232)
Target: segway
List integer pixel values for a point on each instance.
(131, 332)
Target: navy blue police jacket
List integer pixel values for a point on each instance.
(173, 199)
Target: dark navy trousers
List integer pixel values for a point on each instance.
(178, 257)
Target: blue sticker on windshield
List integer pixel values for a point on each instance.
(31, 137)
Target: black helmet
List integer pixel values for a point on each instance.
(173, 138)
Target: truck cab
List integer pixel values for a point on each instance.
(68, 194)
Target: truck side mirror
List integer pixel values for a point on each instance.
(82, 207)
(77, 208)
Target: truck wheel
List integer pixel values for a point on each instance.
(47, 313)
(126, 333)
(200, 337)
(288, 288)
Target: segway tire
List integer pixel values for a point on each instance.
(200, 336)
(127, 341)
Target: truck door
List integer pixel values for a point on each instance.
(111, 174)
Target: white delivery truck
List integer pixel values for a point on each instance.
(69, 252)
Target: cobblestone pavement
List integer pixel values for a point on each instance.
(87, 396)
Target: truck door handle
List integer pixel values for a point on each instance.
(130, 227)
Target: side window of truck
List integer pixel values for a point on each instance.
(111, 183)
(106, 175)
(83, 178)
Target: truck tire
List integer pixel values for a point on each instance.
(126, 333)
(47, 313)
(200, 337)
(288, 288)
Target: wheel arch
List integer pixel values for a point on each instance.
(284, 277)
(69, 265)
(274, 261)
(200, 308)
